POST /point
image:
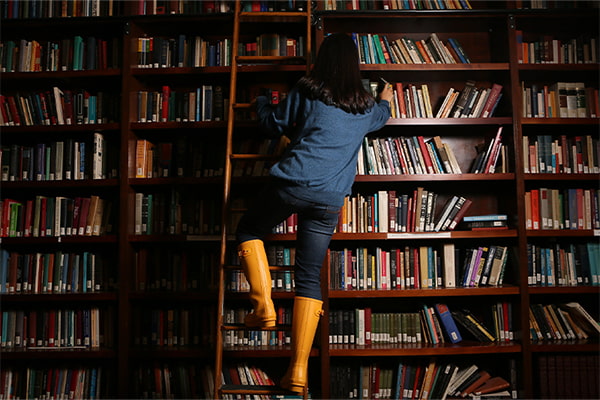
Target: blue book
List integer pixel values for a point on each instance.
(4, 257)
(487, 217)
(447, 321)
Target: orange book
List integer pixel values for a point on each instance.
(400, 98)
(423, 52)
(494, 384)
(484, 376)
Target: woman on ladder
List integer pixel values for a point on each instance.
(326, 115)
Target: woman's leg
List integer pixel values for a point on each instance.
(315, 227)
(265, 213)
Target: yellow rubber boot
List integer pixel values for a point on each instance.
(305, 319)
(256, 268)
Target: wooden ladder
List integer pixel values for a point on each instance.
(244, 18)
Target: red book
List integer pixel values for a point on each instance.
(506, 322)
(400, 99)
(12, 106)
(166, 93)
(426, 157)
(416, 268)
(460, 214)
(28, 225)
(494, 149)
(368, 326)
(535, 208)
(4, 110)
(491, 100)
(85, 207)
(417, 382)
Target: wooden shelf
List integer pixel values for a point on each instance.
(410, 293)
(59, 297)
(416, 349)
(58, 354)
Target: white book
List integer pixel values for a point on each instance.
(97, 156)
(449, 265)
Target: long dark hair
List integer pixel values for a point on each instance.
(335, 77)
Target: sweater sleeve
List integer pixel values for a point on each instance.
(279, 119)
(382, 114)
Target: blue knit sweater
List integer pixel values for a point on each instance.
(319, 164)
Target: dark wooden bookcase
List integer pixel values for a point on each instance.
(141, 271)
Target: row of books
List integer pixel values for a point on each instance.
(67, 159)
(182, 51)
(574, 208)
(175, 213)
(417, 267)
(548, 49)
(55, 382)
(76, 54)
(563, 264)
(274, 5)
(56, 216)
(559, 100)
(245, 374)
(472, 102)
(567, 321)
(185, 156)
(564, 154)
(190, 7)
(174, 327)
(376, 48)
(59, 107)
(59, 272)
(205, 103)
(406, 156)
(281, 281)
(433, 379)
(419, 155)
(60, 8)
(388, 211)
(249, 338)
(564, 376)
(59, 328)
(174, 270)
(580, 50)
(429, 324)
(174, 380)
(343, 5)
(274, 44)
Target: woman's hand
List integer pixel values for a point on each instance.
(387, 93)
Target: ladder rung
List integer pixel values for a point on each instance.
(253, 157)
(241, 327)
(239, 106)
(271, 267)
(256, 389)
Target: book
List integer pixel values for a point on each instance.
(448, 322)
(494, 384)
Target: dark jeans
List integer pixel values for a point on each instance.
(316, 223)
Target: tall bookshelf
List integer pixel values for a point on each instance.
(141, 280)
